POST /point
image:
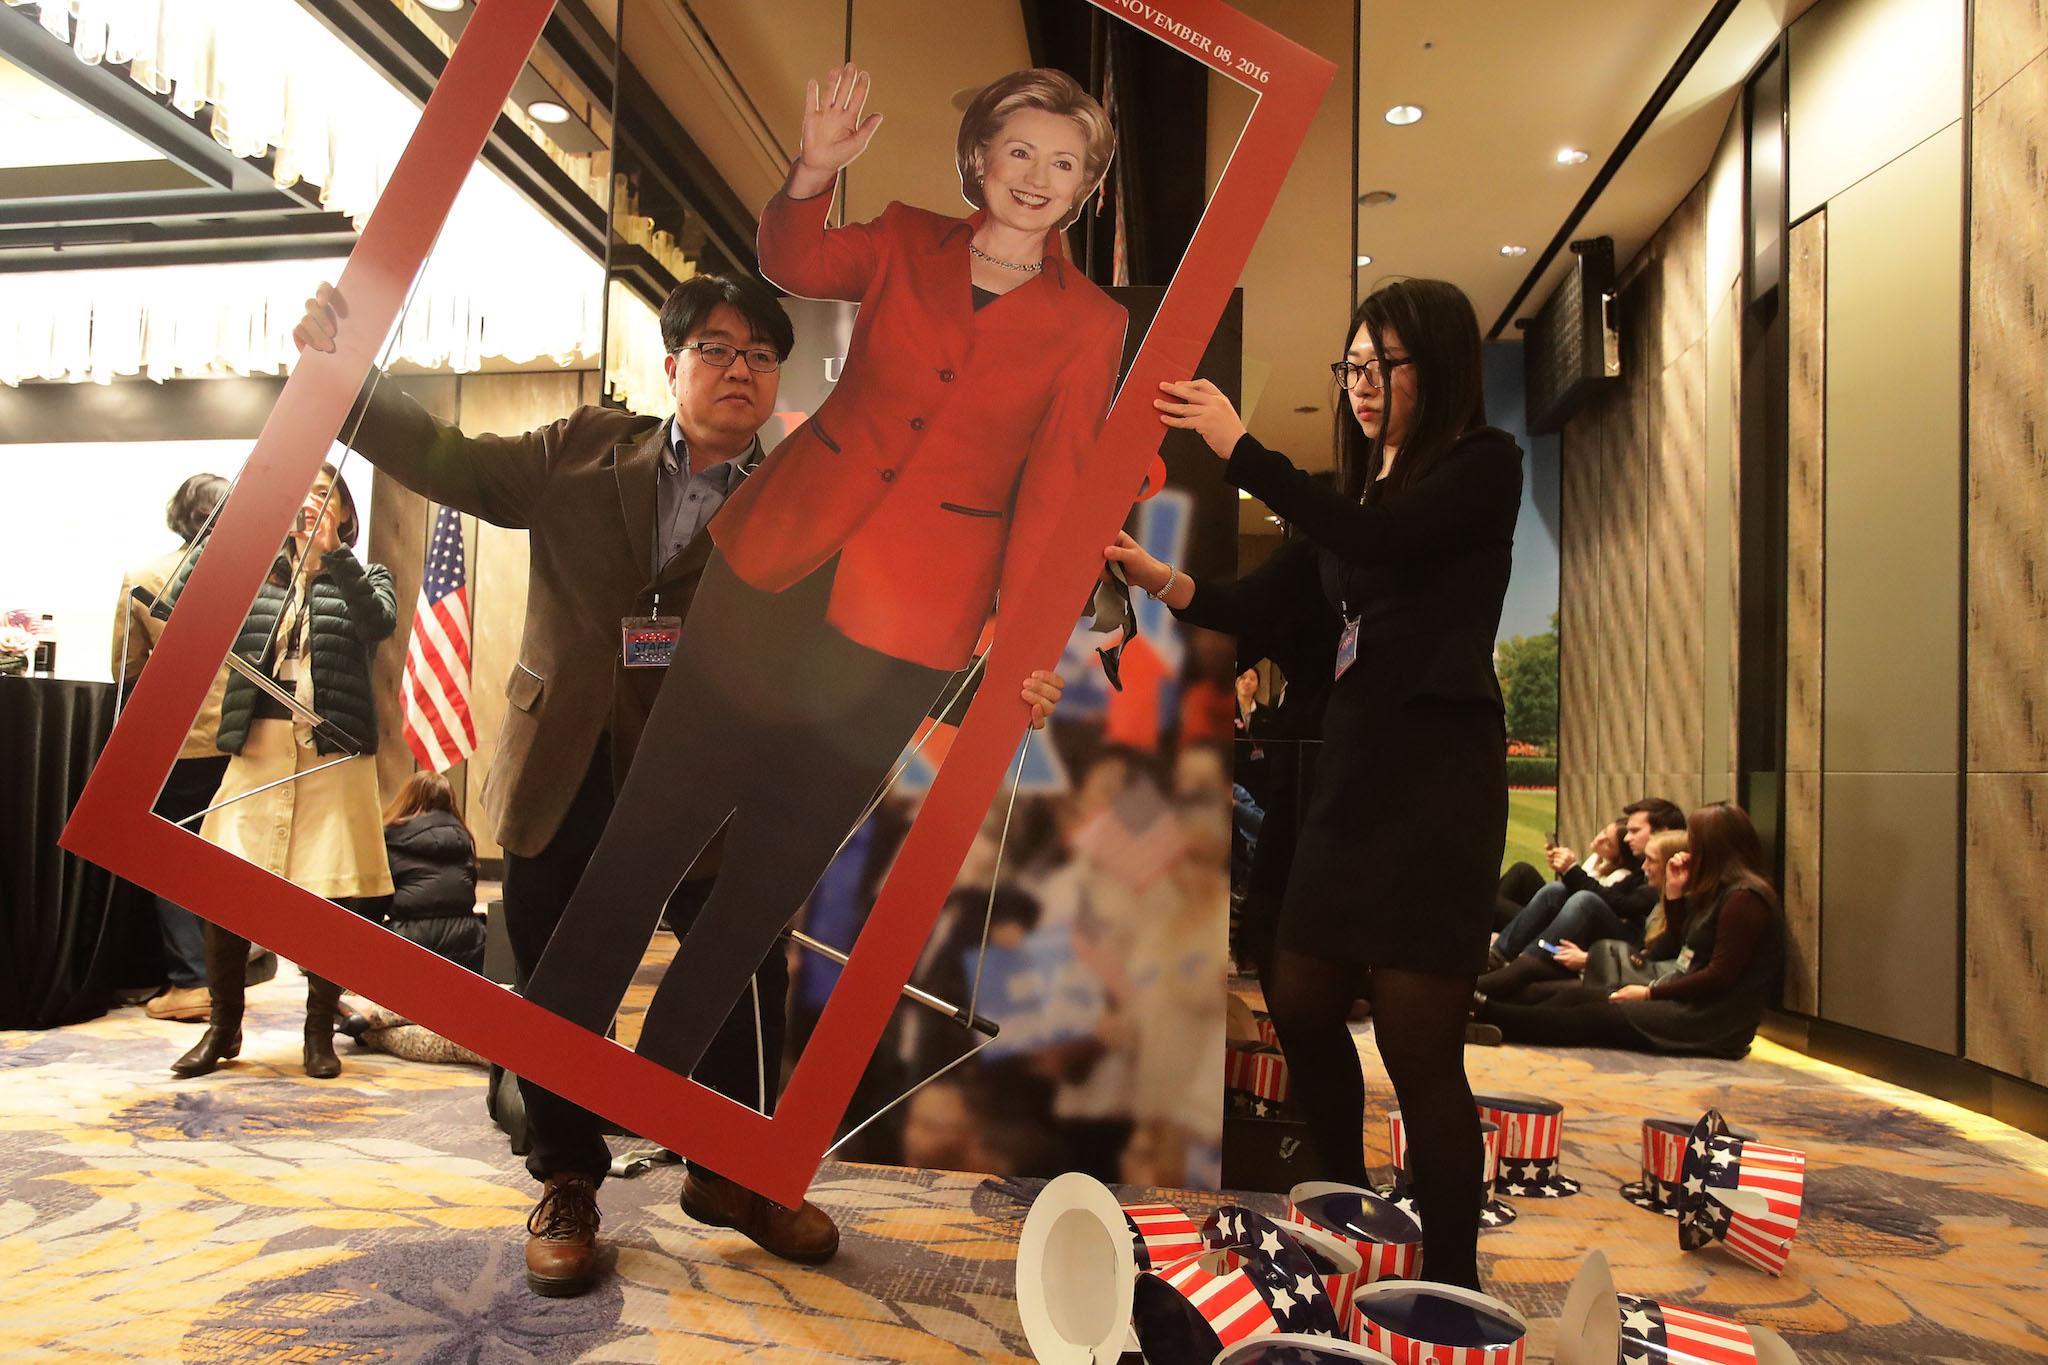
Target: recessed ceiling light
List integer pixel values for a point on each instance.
(1403, 114)
(1364, 261)
(445, 6)
(1571, 156)
(1243, 496)
(547, 111)
(1372, 199)
(1514, 251)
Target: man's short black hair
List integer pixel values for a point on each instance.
(693, 301)
(1663, 814)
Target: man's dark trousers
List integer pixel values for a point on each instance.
(567, 1137)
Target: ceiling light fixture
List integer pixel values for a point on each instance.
(1401, 115)
(1571, 156)
(1364, 261)
(547, 111)
(445, 6)
(1514, 251)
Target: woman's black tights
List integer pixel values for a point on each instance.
(1419, 1023)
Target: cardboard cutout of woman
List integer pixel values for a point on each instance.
(855, 570)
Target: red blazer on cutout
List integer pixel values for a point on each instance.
(952, 442)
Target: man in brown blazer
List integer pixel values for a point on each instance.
(613, 503)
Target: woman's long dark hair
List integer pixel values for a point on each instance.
(1439, 335)
(1726, 856)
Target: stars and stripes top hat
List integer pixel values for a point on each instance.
(1162, 1234)
(1663, 1164)
(1531, 1142)
(1244, 1236)
(1493, 1213)
(1600, 1327)
(1333, 1261)
(1257, 1069)
(1187, 1313)
(1075, 1273)
(1413, 1322)
(1739, 1192)
(1294, 1348)
(1387, 1240)
(1655, 1333)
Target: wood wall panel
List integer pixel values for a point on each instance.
(2009, 34)
(1889, 952)
(2006, 791)
(1683, 789)
(1892, 681)
(2007, 953)
(1806, 410)
(2008, 457)
(1734, 522)
(1615, 631)
(1625, 591)
(504, 404)
(1578, 589)
(1802, 894)
(1676, 562)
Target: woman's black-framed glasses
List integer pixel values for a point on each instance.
(1374, 370)
(720, 356)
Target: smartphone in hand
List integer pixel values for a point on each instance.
(1547, 946)
(1550, 840)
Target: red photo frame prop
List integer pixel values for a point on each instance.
(113, 824)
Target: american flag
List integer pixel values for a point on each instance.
(1656, 1333)
(438, 726)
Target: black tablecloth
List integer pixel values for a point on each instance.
(71, 931)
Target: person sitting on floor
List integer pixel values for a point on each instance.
(1539, 975)
(1583, 908)
(1729, 948)
(433, 904)
(433, 872)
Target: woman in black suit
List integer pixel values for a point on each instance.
(1392, 890)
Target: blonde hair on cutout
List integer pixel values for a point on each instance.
(1055, 92)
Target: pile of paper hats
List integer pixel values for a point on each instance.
(1740, 1192)
(1386, 1238)
(1663, 1164)
(1531, 1145)
(1493, 1212)
(1091, 1273)
(1416, 1323)
(1601, 1327)
(1243, 1024)
(1251, 1290)
(1256, 1072)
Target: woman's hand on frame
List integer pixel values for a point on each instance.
(1200, 407)
(1141, 570)
(1042, 693)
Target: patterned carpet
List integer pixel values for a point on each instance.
(256, 1215)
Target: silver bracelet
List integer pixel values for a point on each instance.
(1172, 574)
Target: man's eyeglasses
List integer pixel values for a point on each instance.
(1375, 372)
(720, 356)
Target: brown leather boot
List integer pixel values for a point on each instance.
(323, 1003)
(225, 954)
(804, 1234)
(561, 1238)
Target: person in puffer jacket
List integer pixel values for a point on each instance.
(433, 872)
